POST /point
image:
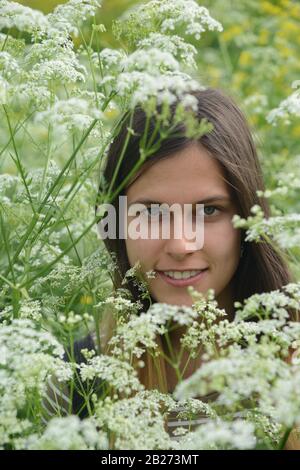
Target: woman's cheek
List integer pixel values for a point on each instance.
(143, 250)
(221, 239)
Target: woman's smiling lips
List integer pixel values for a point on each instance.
(182, 282)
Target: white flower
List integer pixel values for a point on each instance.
(287, 108)
(64, 71)
(135, 335)
(162, 313)
(284, 229)
(31, 309)
(284, 398)
(135, 423)
(65, 19)
(23, 337)
(140, 87)
(220, 435)
(9, 67)
(69, 433)
(109, 57)
(28, 94)
(28, 357)
(164, 16)
(4, 86)
(15, 15)
(152, 61)
(151, 274)
(121, 305)
(190, 101)
(174, 45)
(72, 320)
(68, 17)
(74, 113)
(256, 103)
(272, 304)
(118, 374)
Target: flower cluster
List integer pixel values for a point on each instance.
(283, 229)
(65, 19)
(28, 356)
(165, 16)
(119, 375)
(288, 108)
(220, 435)
(69, 433)
(134, 336)
(15, 15)
(134, 423)
(72, 114)
(174, 45)
(63, 94)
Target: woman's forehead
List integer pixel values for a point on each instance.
(190, 171)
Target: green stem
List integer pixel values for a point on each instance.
(46, 268)
(87, 48)
(48, 194)
(17, 161)
(6, 244)
(226, 56)
(46, 165)
(284, 439)
(49, 214)
(120, 159)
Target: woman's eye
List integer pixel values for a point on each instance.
(209, 210)
(156, 212)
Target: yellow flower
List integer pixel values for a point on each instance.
(231, 32)
(296, 131)
(238, 78)
(289, 29)
(214, 74)
(294, 12)
(263, 37)
(111, 113)
(254, 119)
(284, 50)
(245, 58)
(291, 26)
(86, 299)
(271, 9)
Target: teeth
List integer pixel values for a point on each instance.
(182, 274)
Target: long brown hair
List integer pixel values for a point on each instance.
(263, 267)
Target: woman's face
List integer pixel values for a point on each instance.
(188, 177)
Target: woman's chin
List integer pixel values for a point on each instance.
(168, 294)
(185, 300)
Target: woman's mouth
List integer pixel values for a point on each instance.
(182, 278)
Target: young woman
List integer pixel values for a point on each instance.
(220, 170)
(222, 163)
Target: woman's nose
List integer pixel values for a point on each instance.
(185, 237)
(180, 247)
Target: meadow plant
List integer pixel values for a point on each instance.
(62, 104)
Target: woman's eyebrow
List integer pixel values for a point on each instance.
(217, 197)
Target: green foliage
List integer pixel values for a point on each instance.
(67, 77)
